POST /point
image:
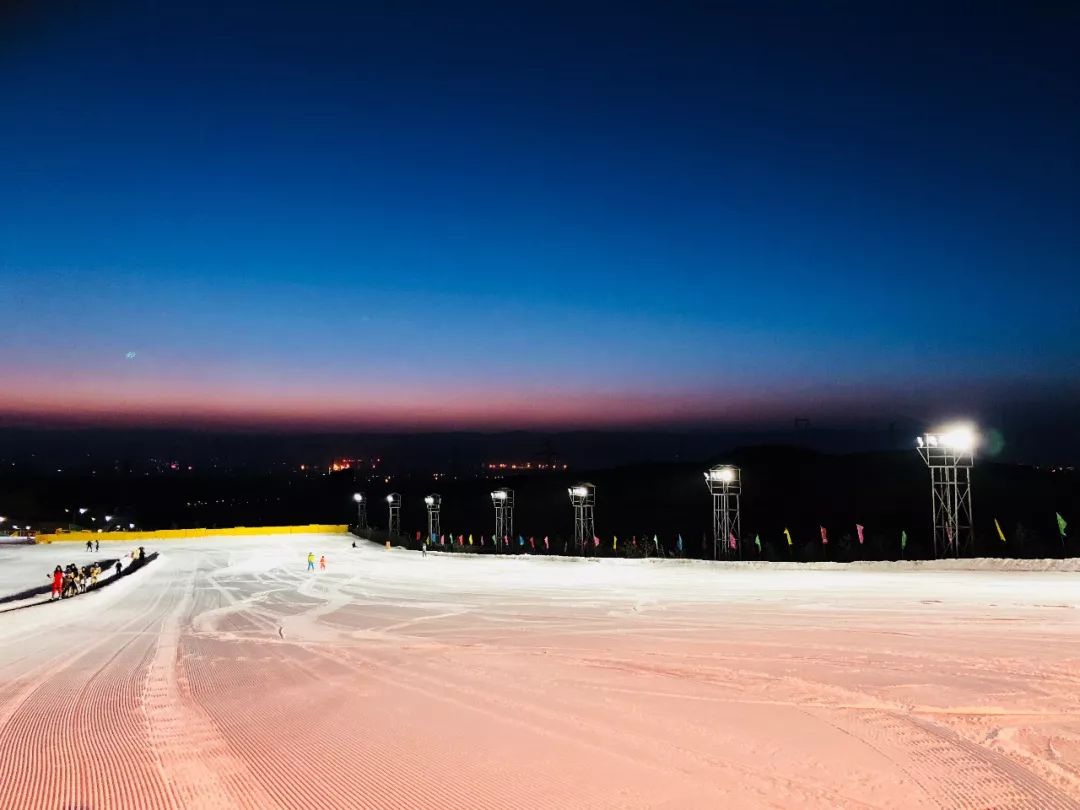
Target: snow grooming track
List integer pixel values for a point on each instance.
(230, 677)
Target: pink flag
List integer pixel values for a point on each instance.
(596, 541)
(418, 537)
(461, 539)
(732, 541)
(948, 535)
(532, 544)
(824, 537)
(546, 545)
(442, 539)
(859, 529)
(481, 539)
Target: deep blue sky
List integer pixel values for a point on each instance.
(464, 214)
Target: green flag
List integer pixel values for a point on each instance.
(787, 534)
(1061, 523)
(757, 542)
(1001, 534)
(903, 540)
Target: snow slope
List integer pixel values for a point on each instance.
(225, 675)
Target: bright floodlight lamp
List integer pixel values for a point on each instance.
(503, 500)
(725, 483)
(583, 499)
(361, 510)
(108, 518)
(950, 454)
(434, 504)
(393, 501)
(83, 510)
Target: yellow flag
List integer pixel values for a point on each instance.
(787, 534)
(470, 539)
(1001, 534)
(615, 543)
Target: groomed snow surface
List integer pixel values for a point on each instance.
(225, 675)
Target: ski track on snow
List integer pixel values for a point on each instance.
(224, 675)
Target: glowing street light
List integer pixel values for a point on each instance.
(433, 503)
(725, 483)
(393, 501)
(503, 500)
(583, 499)
(361, 510)
(950, 454)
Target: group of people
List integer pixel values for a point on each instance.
(311, 561)
(74, 579)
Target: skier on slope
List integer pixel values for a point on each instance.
(322, 563)
(310, 561)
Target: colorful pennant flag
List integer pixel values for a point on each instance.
(1001, 534)
(824, 537)
(757, 542)
(787, 534)
(656, 543)
(442, 539)
(678, 544)
(903, 540)
(859, 531)
(732, 541)
(521, 540)
(596, 541)
(418, 537)
(470, 539)
(1061, 524)
(547, 546)
(615, 543)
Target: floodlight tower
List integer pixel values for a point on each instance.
(725, 483)
(950, 454)
(393, 500)
(503, 500)
(583, 497)
(361, 510)
(433, 503)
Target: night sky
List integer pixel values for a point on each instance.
(509, 215)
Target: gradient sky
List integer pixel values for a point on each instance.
(544, 215)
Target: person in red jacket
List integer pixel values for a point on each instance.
(57, 583)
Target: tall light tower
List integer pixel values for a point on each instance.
(433, 503)
(583, 498)
(725, 484)
(393, 500)
(503, 500)
(361, 510)
(950, 454)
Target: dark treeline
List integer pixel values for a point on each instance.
(782, 487)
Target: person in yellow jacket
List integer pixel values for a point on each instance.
(310, 561)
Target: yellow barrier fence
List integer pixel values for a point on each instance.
(186, 534)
